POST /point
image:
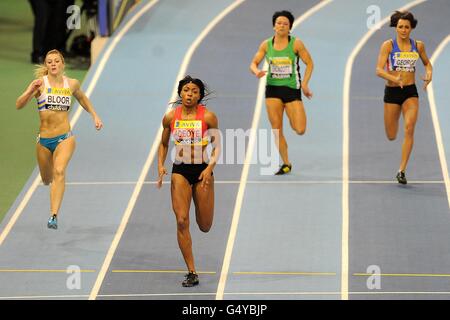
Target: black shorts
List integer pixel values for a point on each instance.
(286, 94)
(190, 171)
(398, 95)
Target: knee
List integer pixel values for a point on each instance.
(300, 131)
(205, 227)
(182, 223)
(205, 224)
(46, 181)
(59, 173)
(391, 137)
(409, 129)
(277, 129)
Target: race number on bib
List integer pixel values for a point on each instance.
(58, 99)
(188, 132)
(405, 61)
(281, 67)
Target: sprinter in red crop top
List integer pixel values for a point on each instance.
(192, 127)
(399, 55)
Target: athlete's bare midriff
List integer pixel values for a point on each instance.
(408, 78)
(53, 123)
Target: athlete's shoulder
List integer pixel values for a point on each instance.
(387, 45)
(210, 118)
(420, 44)
(74, 84)
(168, 117)
(170, 114)
(297, 42)
(209, 112)
(264, 45)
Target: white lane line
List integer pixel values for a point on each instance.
(111, 183)
(346, 143)
(103, 60)
(182, 294)
(247, 162)
(44, 297)
(153, 150)
(435, 118)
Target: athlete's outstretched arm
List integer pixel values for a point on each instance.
(86, 103)
(214, 134)
(31, 91)
(427, 64)
(163, 147)
(304, 55)
(385, 49)
(257, 60)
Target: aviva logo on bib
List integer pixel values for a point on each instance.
(59, 91)
(188, 124)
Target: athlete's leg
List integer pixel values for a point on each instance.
(296, 115)
(410, 110)
(61, 157)
(45, 163)
(391, 116)
(204, 204)
(275, 109)
(181, 192)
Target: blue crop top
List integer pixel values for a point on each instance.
(403, 60)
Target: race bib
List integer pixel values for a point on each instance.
(405, 61)
(188, 132)
(58, 99)
(281, 67)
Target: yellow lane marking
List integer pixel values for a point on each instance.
(160, 271)
(45, 270)
(401, 275)
(285, 273)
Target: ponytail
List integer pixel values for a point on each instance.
(40, 71)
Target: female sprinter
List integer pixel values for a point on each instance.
(55, 142)
(400, 55)
(192, 126)
(283, 85)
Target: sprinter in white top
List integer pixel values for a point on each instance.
(55, 142)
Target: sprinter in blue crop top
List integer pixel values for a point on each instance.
(399, 55)
(55, 142)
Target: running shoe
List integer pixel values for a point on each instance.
(191, 279)
(401, 178)
(285, 168)
(52, 222)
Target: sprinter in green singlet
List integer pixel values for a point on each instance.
(284, 85)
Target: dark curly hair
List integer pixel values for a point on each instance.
(397, 15)
(204, 90)
(283, 13)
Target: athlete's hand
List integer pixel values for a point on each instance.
(205, 178)
(427, 80)
(161, 173)
(261, 73)
(306, 91)
(399, 80)
(98, 123)
(36, 84)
